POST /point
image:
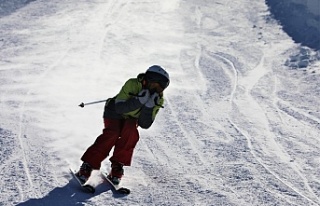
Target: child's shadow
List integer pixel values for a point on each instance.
(70, 194)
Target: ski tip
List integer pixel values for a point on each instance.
(124, 191)
(89, 188)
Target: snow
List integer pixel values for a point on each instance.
(241, 121)
(300, 19)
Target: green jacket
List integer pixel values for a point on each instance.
(126, 104)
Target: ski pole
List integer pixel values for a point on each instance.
(88, 103)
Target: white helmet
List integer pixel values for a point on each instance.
(157, 74)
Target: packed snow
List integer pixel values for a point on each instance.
(241, 121)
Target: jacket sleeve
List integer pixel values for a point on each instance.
(148, 115)
(145, 119)
(122, 107)
(124, 101)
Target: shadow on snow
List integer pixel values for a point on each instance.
(10, 6)
(70, 194)
(297, 21)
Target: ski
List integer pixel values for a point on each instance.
(118, 188)
(86, 187)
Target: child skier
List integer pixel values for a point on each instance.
(137, 104)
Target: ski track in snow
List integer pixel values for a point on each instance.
(234, 130)
(252, 80)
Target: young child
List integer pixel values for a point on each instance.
(137, 104)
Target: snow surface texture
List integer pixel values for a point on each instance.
(238, 128)
(300, 19)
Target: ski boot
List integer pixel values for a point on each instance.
(116, 173)
(84, 173)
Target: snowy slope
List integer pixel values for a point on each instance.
(300, 19)
(238, 127)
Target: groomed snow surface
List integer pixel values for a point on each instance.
(238, 128)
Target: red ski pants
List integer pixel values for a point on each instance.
(122, 134)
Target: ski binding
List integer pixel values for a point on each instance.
(118, 188)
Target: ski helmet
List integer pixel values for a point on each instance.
(157, 74)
